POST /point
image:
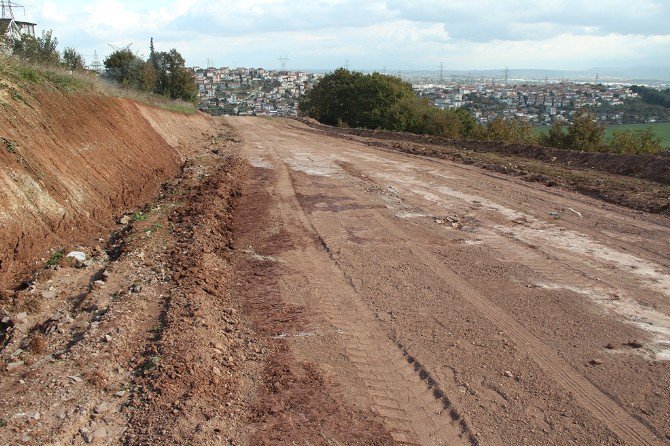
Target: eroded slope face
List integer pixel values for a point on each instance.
(70, 163)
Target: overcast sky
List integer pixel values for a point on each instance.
(372, 34)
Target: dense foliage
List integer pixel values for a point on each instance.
(164, 73)
(43, 50)
(653, 96)
(584, 133)
(378, 101)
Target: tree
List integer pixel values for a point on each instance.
(173, 79)
(124, 67)
(584, 133)
(555, 137)
(42, 50)
(356, 99)
(73, 60)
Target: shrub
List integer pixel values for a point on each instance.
(634, 141)
(510, 130)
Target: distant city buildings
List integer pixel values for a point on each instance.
(537, 103)
(261, 92)
(251, 91)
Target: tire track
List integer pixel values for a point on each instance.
(630, 430)
(412, 405)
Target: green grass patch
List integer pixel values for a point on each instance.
(20, 78)
(139, 216)
(55, 258)
(661, 129)
(10, 145)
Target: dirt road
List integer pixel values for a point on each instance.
(295, 287)
(456, 305)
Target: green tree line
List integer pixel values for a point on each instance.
(376, 101)
(653, 96)
(164, 73)
(44, 50)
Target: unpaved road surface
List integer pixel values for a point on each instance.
(296, 288)
(460, 306)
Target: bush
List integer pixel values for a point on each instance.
(637, 141)
(41, 50)
(583, 133)
(509, 130)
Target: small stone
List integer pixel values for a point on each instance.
(99, 284)
(135, 289)
(21, 318)
(595, 361)
(49, 294)
(120, 394)
(125, 220)
(634, 344)
(609, 346)
(508, 374)
(107, 338)
(14, 365)
(87, 436)
(75, 378)
(100, 434)
(102, 407)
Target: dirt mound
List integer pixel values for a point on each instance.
(71, 164)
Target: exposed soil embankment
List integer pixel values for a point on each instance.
(71, 163)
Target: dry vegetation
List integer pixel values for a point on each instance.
(18, 78)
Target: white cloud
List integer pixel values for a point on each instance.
(374, 33)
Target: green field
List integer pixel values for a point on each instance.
(662, 129)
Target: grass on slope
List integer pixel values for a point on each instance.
(18, 79)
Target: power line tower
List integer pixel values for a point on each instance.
(346, 64)
(282, 61)
(95, 64)
(506, 75)
(442, 72)
(121, 48)
(8, 9)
